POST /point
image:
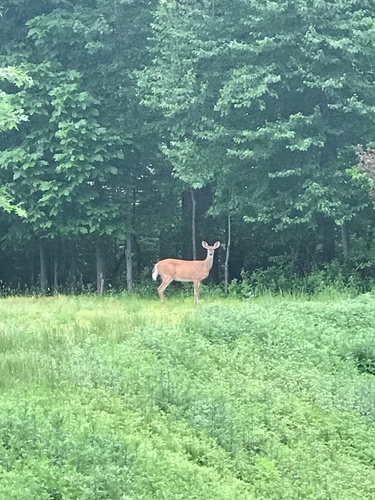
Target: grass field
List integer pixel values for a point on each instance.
(118, 398)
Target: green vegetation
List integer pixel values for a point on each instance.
(152, 125)
(118, 398)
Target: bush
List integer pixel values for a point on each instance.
(284, 280)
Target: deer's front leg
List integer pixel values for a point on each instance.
(196, 291)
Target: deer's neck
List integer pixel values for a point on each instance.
(209, 261)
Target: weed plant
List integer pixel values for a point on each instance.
(120, 398)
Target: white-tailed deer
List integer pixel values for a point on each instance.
(185, 270)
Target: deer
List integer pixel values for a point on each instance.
(184, 270)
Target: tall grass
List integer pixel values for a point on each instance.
(120, 398)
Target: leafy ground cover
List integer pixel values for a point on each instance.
(118, 398)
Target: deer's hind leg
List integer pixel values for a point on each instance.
(162, 287)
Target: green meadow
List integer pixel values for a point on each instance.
(120, 398)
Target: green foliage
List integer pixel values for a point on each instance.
(120, 398)
(74, 157)
(283, 278)
(364, 358)
(7, 204)
(262, 100)
(85, 165)
(11, 113)
(258, 104)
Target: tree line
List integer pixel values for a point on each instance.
(132, 130)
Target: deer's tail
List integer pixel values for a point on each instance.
(155, 272)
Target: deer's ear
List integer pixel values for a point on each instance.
(216, 245)
(204, 244)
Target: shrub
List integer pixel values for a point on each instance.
(284, 280)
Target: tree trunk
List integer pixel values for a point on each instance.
(117, 267)
(43, 268)
(138, 258)
(55, 275)
(193, 224)
(129, 263)
(227, 253)
(186, 225)
(327, 231)
(73, 271)
(56, 265)
(345, 239)
(206, 229)
(100, 267)
(32, 276)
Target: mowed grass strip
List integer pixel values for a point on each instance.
(120, 398)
